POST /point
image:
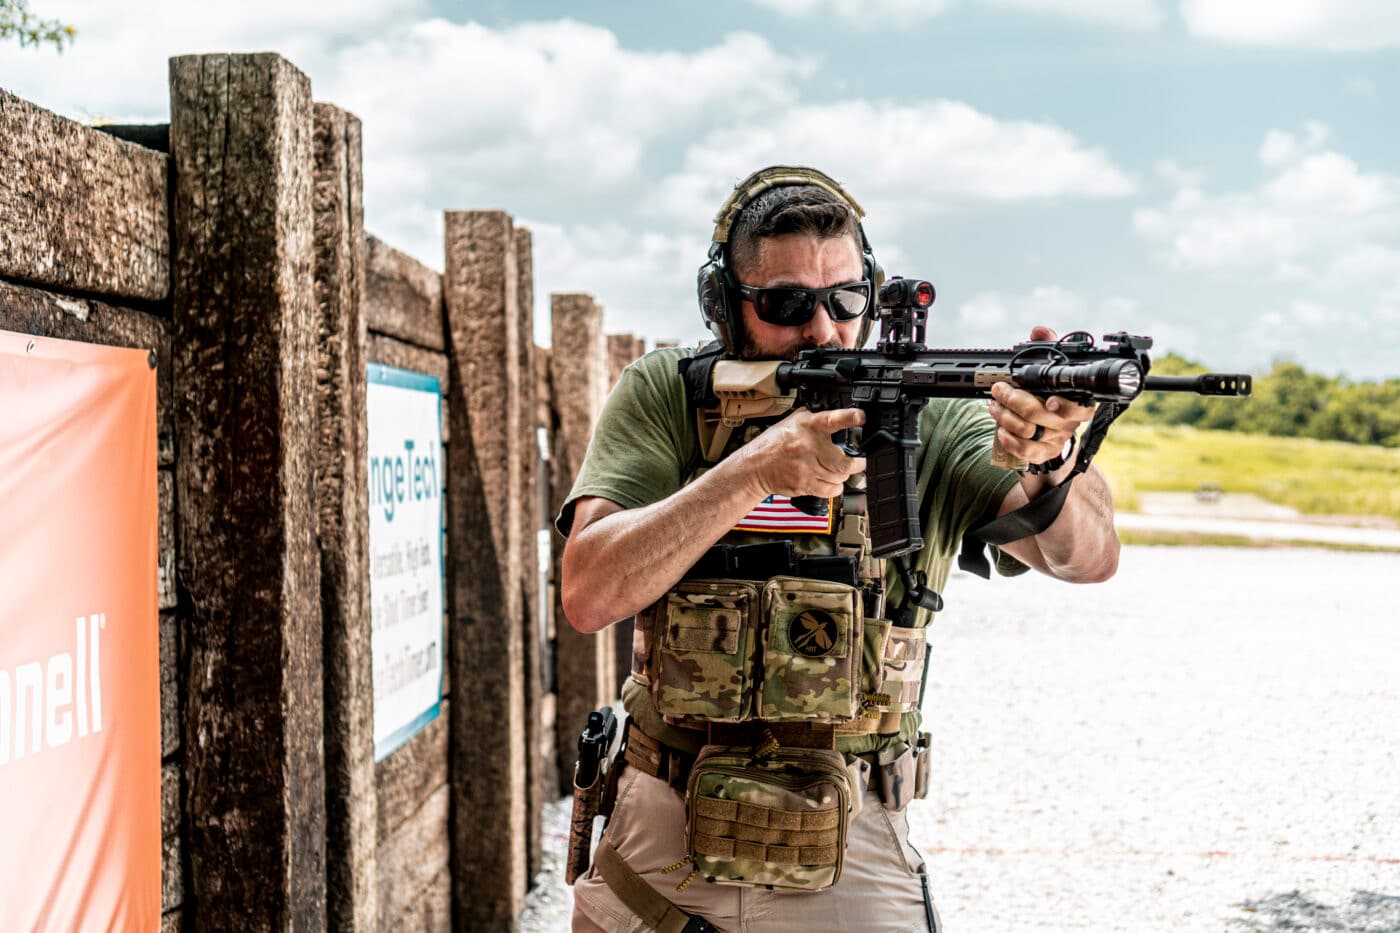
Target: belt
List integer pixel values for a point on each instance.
(672, 765)
(654, 757)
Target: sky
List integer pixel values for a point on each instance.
(1222, 175)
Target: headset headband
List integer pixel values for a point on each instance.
(775, 176)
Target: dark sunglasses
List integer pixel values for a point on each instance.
(791, 307)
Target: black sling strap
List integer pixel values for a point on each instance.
(1040, 513)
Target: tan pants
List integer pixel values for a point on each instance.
(880, 890)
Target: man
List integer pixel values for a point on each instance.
(790, 269)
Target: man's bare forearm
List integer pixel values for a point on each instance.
(626, 559)
(1081, 546)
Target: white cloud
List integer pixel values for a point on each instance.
(1318, 233)
(875, 14)
(902, 162)
(116, 68)
(1280, 147)
(1325, 24)
(1178, 175)
(1125, 14)
(506, 107)
(1315, 212)
(645, 280)
(997, 318)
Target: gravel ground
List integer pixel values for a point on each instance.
(1210, 741)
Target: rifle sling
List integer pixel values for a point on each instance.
(1040, 513)
(642, 899)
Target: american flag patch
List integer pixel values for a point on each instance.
(778, 515)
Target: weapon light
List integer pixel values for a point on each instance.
(1106, 379)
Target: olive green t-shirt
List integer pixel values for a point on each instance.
(645, 447)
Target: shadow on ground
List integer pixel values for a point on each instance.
(1366, 912)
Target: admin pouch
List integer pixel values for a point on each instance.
(791, 649)
(773, 816)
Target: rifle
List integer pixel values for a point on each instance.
(894, 381)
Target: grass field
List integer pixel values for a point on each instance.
(1315, 477)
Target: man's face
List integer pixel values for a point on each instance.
(796, 259)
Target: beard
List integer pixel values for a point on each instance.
(749, 350)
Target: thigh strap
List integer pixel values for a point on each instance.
(642, 899)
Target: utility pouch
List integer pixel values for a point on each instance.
(704, 647)
(902, 772)
(812, 651)
(902, 676)
(777, 820)
(923, 765)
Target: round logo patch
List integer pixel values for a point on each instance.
(812, 633)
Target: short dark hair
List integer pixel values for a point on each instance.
(805, 209)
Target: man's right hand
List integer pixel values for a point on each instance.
(796, 456)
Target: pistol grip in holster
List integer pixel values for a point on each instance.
(587, 802)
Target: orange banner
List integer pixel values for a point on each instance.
(80, 835)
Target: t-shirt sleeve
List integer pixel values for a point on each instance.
(958, 486)
(641, 443)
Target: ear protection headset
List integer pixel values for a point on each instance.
(716, 287)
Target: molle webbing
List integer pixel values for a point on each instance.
(732, 829)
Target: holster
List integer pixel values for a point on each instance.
(587, 805)
(589, 802)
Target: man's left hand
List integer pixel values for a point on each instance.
(1019, 414)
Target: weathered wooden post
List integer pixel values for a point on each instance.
(342, 497)
(584, 664)
(532, 520)
(484, 490)
(244, 346)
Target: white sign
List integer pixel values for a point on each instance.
(405, 547)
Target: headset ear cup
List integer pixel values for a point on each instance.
(876, 274)
(711, 295)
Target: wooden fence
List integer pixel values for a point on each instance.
(232, 243)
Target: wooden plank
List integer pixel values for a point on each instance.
(393, 352)
(244, 346)
(585, 665)
(35, 311)
(411, 862)
(411, 773)
(480, 290)
(403, 297)
(342, 496)
(172, 877)
(80, 210)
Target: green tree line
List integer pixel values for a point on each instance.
(1287, 402)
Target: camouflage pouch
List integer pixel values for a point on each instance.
(812, 651)
(902, 773)
(903, 676)
(778, 820)
(704, 643)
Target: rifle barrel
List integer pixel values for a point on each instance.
(1237, 385)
